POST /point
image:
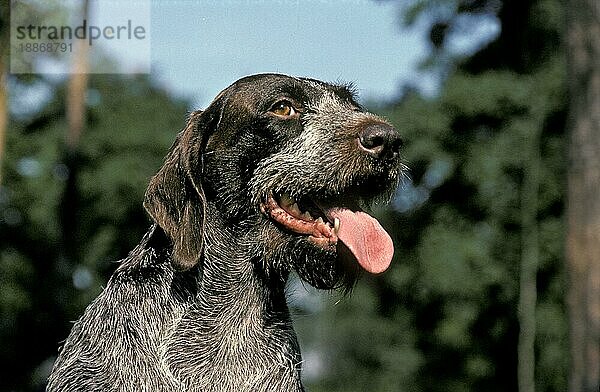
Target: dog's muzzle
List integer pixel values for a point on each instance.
(326, 225)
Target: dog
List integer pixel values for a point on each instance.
(272, 178)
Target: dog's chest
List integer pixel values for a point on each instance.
(236, 359)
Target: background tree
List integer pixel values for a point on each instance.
(75, 110)
(4, 41)
(583, 208)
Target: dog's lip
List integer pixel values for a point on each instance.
(285, 210)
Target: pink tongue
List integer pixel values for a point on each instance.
(370, 244)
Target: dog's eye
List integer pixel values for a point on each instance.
(283, 108)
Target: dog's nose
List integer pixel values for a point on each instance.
(380, 140)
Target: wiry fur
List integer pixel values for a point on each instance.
(199, 304)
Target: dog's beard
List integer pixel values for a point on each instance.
(321, 268)
(324, 269)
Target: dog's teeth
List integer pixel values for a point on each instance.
(295, 209)
(319, 220)
(336, 226)
(307, 216)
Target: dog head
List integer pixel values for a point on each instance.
(290, 161)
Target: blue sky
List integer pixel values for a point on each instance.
(200, 47)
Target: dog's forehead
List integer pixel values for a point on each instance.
(266, 87)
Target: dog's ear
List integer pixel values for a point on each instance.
(174, 198)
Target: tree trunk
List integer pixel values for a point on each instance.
(75, 109)
(583, 206)
(76, 89)
(529, 266)
(4, 44)
(3, 112)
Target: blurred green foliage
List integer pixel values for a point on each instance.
(46, 280)
(443, 318)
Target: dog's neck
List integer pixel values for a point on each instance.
(238, 331)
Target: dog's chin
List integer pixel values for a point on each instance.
(325, 268)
